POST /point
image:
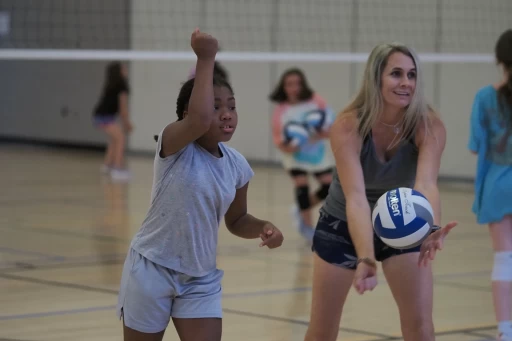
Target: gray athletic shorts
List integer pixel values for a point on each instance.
(151, 294)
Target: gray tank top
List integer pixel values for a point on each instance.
(379, 177)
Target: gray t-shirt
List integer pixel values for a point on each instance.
(192, 191)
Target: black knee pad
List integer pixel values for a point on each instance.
(302, 195)
(323, 191)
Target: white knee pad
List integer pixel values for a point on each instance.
(502, 269)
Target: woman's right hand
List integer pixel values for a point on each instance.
(365, 277)
(204, 45)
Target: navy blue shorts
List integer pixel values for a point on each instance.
(333, 244)
(104, 120)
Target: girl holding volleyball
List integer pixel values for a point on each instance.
(490, 139)
(295, 99)
(170, 270)
(388, 137)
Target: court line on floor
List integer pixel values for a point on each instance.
(14, 251)
(56, 313)
(225, 310)
(294, 321)
(400, 338)
(383, 337)
(97, 259)
(477, 334)
(58, 284)
(459, 285)
(27, 266)
(265, 292)
(250, 255)
(18, 226)
(454, 331)
(110, 291)
(46, 230)
(116, 292)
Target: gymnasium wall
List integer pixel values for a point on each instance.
(53, 99)
(44, 100)
(455, 26)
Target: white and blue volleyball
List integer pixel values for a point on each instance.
(319, 120)
(295, 134)
(402, 218)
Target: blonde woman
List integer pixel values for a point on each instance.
(387, 137)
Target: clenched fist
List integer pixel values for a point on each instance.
(204, 45)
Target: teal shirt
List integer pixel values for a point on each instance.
(490, 137)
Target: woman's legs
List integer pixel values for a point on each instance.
(331, 285)
(501, 236)
(412, 288)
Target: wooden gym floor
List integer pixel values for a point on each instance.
(65, 230)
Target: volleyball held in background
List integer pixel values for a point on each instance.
(304, 122)
(402, 218)
(265, 30)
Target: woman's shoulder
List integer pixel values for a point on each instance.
(346, 123)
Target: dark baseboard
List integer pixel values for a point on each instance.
(88, 146)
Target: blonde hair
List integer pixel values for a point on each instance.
(369, 103)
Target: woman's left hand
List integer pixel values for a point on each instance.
(433, 243)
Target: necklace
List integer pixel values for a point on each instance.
(396, 128)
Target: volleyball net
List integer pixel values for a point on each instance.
(263, 30)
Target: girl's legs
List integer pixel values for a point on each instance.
(302, 196)
(108, 161)
(199, 329)
(306, 200)
(115, 153)
(324, 178)
(115, 149)
(302, 210)
(501, 236)
(133, 335)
